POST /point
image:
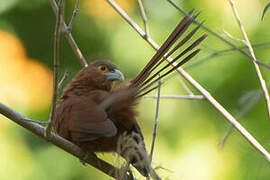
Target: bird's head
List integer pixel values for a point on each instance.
(108, 70)
(97, 75)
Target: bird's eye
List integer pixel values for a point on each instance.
(103, 69)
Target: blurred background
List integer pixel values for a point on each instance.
(189, 131)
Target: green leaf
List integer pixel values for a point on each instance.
(265, 9)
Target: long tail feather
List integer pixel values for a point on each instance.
(168, 72)
(178, 31)
(197, 42)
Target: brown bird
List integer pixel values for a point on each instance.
(93, 115)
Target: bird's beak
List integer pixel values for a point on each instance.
(115, 75)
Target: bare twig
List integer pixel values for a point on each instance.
(223, 52)
(57, 34)
(232, 37)
(185, 87)
(35, 121)
(60, 84)
(248, 106)
(74, 14)
(69, 36)
(196, 85)
(144, 17)
(156, 122)
(59, 141)
(189, 97)
(257, 68)
(220, 37)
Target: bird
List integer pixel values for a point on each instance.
(94, 114)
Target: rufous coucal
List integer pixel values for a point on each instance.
(82, 117)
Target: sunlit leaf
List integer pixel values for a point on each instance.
(265, 9)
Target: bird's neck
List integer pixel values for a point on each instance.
(83, 88)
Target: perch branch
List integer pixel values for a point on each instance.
(257, 68)
(62, 143)
(57, 34)
(220, 37)
(69, 37)
(197, 86)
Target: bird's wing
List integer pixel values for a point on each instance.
(86, 120)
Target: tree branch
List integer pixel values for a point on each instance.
(57, 34)
(189, 97)
(197, 86)
(62, 143)
(222, 52)
(69, 37)
(156, 122)
(257, 68)
(144, 17)
(74, 14)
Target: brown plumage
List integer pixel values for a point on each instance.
(93, 115)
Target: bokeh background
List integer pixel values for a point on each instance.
(189, 132)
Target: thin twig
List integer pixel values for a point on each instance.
(60, 84)
(189, 97)
(220, 37)
(35, 121)
(156, 122)
(185, 87)
(59, 141)
(69, 37)
(257, 68)
(247, 108)
(74, 14)
(197, 86)
(223, 52)
(232, 37)
(57, 34)
(144, 17)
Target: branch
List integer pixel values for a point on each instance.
(197, 86)
(220, 37)
(156, 122)
(185, 87)
(247, 108)
(74, 14)
(59, 141)
(60, 84)
(222, 52)
(69, 36)
(146, 29)
(190, 97)
(257, 68)
(57, 34)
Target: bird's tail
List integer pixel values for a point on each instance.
(144, 80)
(132, 148)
